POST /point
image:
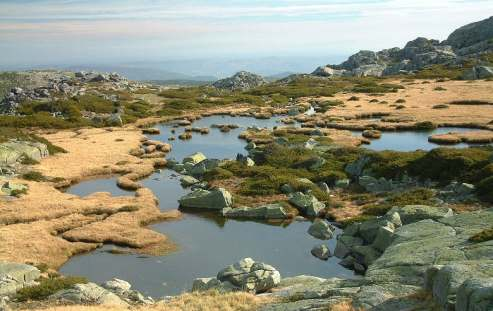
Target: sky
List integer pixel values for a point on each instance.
(69, 32)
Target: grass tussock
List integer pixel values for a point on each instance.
(418, 196)
(472, 102)
(209, 301)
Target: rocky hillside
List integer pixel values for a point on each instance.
(241, 81)
(464, 43)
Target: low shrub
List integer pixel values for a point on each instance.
(34, 176)
(47, 287)
(439, 88)
(472, 102)
(441, 106)
(418, 196)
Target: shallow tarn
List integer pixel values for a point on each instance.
(207, 242)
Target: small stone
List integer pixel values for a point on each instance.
(321, 251)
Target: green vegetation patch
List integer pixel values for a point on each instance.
(418, 196)
(47, 287)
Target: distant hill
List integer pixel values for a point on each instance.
(144, 73)
(280, 76)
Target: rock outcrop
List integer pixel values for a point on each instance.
(241, 81)
(245, 275)
(432, 256)
(465, 42)
(89, 293)
(14, 276)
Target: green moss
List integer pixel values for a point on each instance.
(361, 218)
(447, 164)
(218, 174)
(392, 164)
(34, 176)
(418, 196)
(47, 287)
(440, 71)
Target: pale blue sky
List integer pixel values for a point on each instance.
(81, 31)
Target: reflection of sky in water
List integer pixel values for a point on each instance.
(206, 243)
(410, 141)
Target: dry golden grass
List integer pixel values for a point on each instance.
(211, 301)
(474, 137)
(49, 226)
(344, 306)
(420, 100)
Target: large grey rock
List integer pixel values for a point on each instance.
(307, 204)
(33, 150)
(14, 276)
(241, 81)
(478, 72)
(445, 281)
(328, 71)
(471, 34)
(250, 276)
(345, 244)
(89, 293)
(216, 199)
(123, 290)
(269, 211)
(321, 229)
(414, 213)
(384, 238)
(475, 295)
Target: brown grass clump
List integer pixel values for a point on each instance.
(46, 226)
(473, 137)
(344, 306)
(420, 101)
(210, 301)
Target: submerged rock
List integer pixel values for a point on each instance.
(216, 199)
